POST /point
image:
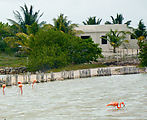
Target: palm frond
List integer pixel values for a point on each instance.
(18, 16)
(108, 22)
(99, 21)
(92, 21)
(31, 10)
(28, 17)
(128, 22)
(42, 23)
(113, 20)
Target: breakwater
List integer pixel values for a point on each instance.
(12, 70)
(28, 78)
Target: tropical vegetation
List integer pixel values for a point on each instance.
(143, 54)
(115, 38)
(6, 31)
(52, 49)
(92, 21)
(25, 27)
(29, 17)
(63, 24)
(140, 33)
(118, 20)
(55, 46)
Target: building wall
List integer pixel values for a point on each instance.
(97, 31)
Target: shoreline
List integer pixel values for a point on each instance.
(28, 78)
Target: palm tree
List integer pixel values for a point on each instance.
(92, 21)
(115, 38)
(118, 20)
(140, 33)
(143, 54)
(21, 39)
(64, 25)
(29, 17)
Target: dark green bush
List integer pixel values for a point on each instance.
(53, 49)
(4, 48)
(3, 45)
(143, 54)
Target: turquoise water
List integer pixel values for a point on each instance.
(78, 99)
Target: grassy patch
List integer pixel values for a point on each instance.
(11, 61)
(77, 67)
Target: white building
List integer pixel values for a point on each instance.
(97, 31)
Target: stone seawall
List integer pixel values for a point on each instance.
(28, 78)
(12, 70)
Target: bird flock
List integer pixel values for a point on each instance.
(19, 85)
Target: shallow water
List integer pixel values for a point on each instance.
(78, 99)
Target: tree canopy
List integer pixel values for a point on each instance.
(140, 30)
(53, 49)
(115, 38)
(118, 20)
(143, 54)
(92, 21)
(139, 33)
(64, 25)
(28, 18)
(6, 31)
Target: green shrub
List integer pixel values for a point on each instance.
(53, 49)
(4, 48)
(83, 51)
(143, 55)
(3, 45)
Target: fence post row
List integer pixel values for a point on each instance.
(85, 73)
(42, 77)
(67, 74)
(103, 71)
(8, 80)
(129, 70)
(52, 76)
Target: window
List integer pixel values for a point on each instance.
(85, 37)
(103, 40)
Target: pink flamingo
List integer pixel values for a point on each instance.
(34, 83)
(115, 104)
(4, 85)
(20, 86)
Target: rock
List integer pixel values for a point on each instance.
(10, 70)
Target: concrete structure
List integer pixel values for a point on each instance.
(97, 31)
(28, 78)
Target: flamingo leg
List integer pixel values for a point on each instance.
(21, 91)
(3, 92)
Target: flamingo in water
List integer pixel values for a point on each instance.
(4, 85)
(115, 104)
(34, 83)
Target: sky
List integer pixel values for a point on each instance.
(79, 10)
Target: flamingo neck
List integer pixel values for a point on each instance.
(119, 105)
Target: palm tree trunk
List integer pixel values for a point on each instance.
(114, 49)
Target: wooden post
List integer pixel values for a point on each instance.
(52, 76)
(42, 77)
(16, 79)
(24, 78)
(29, 77)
